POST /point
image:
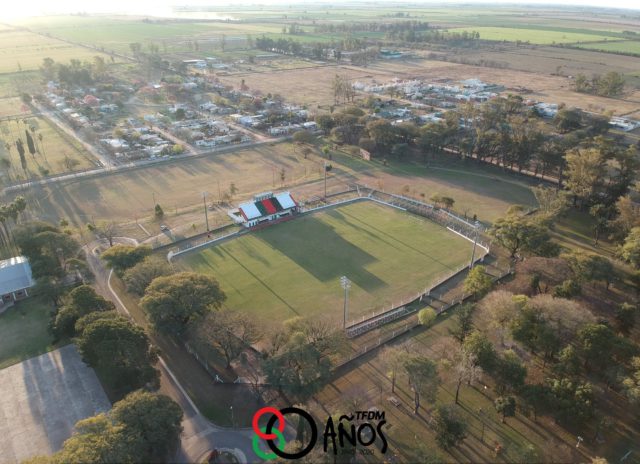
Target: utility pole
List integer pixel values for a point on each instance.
(346, 285)
(325, 182)
(475, 242)
(154, 199)
(206, 216)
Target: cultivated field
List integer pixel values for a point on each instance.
(624, 46)
(23, 50)
(536, 36)
(293, 269)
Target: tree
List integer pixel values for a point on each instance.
(505, 405)
(426, 316)
(325, 122)
(478, 282)
(121, 352)
(501, 307)
(536, 398)
(630, 250)
(138, 277)
(303, 136)
(466, 369)
(631, 384)
(509, 373)
(30, 145)
(628, 217)
(480, 348)
(571, 402)
(450, 428)
(393, 359)
(172, 302)
(105, 229)
(423, 379)
(153, 421)
(463, 322)
(142, 427)
(158, 212)
(517, 234)
(567, 120)
(585, 172)
(20, 148)
(626, 317)
(229, 331)
(122, 257)
(79, 302)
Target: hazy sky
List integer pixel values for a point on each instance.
(13, 9)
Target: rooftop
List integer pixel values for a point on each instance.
(15, 274)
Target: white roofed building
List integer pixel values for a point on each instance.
(265, 207)
(15, 279)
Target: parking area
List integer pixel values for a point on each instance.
(41, 399)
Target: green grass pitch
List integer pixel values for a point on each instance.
(293, 268)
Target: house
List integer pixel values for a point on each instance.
(15, 279)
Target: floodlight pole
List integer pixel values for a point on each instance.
(206, 215)
(476, 226)
(346, 285)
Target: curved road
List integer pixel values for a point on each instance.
(199, 435)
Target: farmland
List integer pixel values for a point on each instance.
(625, 46)
(293, 269)
(536, 36)
(22, 50)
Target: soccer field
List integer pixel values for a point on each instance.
(293, 268)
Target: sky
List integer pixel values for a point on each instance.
(16, 9)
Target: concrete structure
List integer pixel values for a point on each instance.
(42, 399)
(15, 279)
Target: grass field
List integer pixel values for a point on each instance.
(623, 46)
(56, 152)
(536, 36)
(293, 269)
(24, 331)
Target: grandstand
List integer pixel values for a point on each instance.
(265, 207)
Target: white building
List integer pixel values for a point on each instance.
(15, 279)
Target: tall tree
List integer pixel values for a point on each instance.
(422, 374)
(172, 302)
(121, 352)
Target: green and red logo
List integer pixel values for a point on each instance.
(274, 435)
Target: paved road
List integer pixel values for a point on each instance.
(199, 435)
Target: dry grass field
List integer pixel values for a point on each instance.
(56, 151)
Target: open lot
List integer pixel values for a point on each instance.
(312, 86)
(42, 399)
(24, 331)
(293, 269)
